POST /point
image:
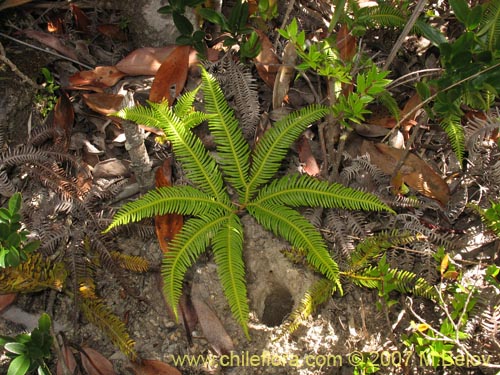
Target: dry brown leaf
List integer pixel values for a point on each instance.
(144, 61)
(112, 31)
(82, 22)
(68, 358)
(51, 41)
(285, 75)
(310, 166)
(103, 103)
(212, 328)
(166, 226)
(64, 116)
(266, 61)
(111, 168)
(154, 367)
(346, 43)
(415, 172)
(95, 363)
(101, 77)
(171, 76)
(6, 300)
(189, 316)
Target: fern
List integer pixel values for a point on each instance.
(215, 215)
(453, 128)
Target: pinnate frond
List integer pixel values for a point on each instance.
(183, 200)
(275, 143)
(228, 251)
(185, 248)
(455, 131)
(307, 191)
(232, 149)
(290, 225)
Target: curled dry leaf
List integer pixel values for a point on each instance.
(307, 159)
(51, 41)
(285, 75)
(82, 22)
(154, 367)
(171, 76)
(212, 328)
(266, 61)
(69, 360)
(111, 168)
(6, 300)
(103, 103)
(166, 226)
(97, 79)
(64, 117)
(112, 31)
(415, 172)
(95, 363)
(144, 61)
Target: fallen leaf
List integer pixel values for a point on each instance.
(285, 75)
(51, 41)
(189, 315)
(154, 367)
(101, 77)
(266, 62)
(144, 61)
(69, 360)
(212, 328)
(82, 22)
(415, 172)
(310, 166)
(64, 117)
(95, 363)
(103, 103)
(346, 43)
(171, 76)
(444, 264)
(111, 168)
(112, 31)
(166, 226)
(13, 3)
(409, 110)
(6, 300)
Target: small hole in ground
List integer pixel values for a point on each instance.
(277, 306)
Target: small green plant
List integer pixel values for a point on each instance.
(215, 213)
(14, 244)
(46, 98)
(366, 366)
(235, 26)
(29, 351)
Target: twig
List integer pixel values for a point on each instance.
(16, 71)
(46, 51)
(416, 12)
(418, 75)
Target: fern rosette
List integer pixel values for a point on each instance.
(215, 214)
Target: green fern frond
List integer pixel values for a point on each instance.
(194, 237)
(130, 262)
(372, 246)
(383, 15)
(490, 25)
(183, 200)
(276, 142)
(317, 295)
(228, 252)
(390, 103)
(290, 225)
(401, 280)
(307, 191)
(200, 166)
(455, 131)
(184, 104)
(102, 317)
(232, 149)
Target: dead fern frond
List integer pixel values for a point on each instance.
(131, 262)
(100, 315)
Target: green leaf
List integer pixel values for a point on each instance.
(290, 225)
(31, 246)
(461, 10)
(19, 365)
(228, 252)
(15, 347)
(182, 23)
(185, 248)
(275, 143)
(431, 33)
(233, 151)
(44, 323)
(12, 258)
(14, 240)
(212, 16)
(15, 203)
(474, 17)
(184, 200)
(5, 215)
